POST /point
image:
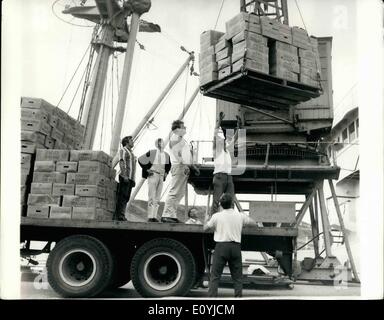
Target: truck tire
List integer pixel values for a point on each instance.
(163, 267)
(79, 266)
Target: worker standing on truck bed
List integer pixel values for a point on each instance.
(156, 165)
(127, 162)
(222, 178)
(181, 159)
(227, 226)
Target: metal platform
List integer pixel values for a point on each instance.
(261, 90)
(258, 179)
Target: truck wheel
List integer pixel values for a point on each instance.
(79, 266)
(163, 267)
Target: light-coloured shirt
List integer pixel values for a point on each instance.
(222, 162)
(228, 224)
(158, 165)
(127, 163)
(193, 221)
(180, 151)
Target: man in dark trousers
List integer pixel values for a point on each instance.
(156, 165)
(227, 225)
(127, 162)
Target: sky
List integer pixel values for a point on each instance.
(42, 53)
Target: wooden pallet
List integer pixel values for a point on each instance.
(261, 90)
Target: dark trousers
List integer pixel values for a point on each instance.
(222, 183)
(226, 252)
(123, 194)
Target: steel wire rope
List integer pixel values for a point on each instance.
(77, 89)
(218, 16)
(70, 81)
(309, 38)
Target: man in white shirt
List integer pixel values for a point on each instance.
(227, 225)
(156, 165)
(222, 179)
(181, 160)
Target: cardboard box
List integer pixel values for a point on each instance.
(23, 195)
(278, 45)
(43, 200)
(25, 160)
(234, 29)
(113, 185)
(44, 166)
(91, 214)
(93, 167)
(49, 143)
(111, 204)
(210, 38)
(250, 65)
(60, 145)
(112, 173)
(283, 73)
(307, 63)
(36, 125)
(37, 212)
(86, 178)
(89, 155)
(66, 166)
(34, 114)
(244, 16)
(41, 188)
(287, 65)
(307, 54)
(222, 44)
(212, 67)
(54, 177)
(36, 103)
(57, 134)
(309, 72)
(78, 201)
(60, 213)
(90, 191)
(208, 77)
(52, 154)
(250, 54)
(247, 44)
(204, 53)
(23, 178)
(68, 140)
(224, 63)
(61, 189)
(283, 55)
(223, 54)
(30, 147)
(32, 136)
(53, 120)
(308, 81)
(250, 36)
(225, 72)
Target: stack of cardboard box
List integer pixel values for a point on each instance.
(259, 44)
(284, 61)
(207, 56)
(76, 184)
(46, 127)
(310, 68)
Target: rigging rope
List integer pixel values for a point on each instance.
(218, 16)
(70, 81)
(77, 89)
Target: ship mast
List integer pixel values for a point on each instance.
(112, 19)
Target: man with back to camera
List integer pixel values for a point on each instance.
(127, 162)
(222, 178)
(181, 160)
(227, 225)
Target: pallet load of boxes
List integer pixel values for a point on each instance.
(58, 181)
(262, 45)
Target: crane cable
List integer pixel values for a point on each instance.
(73, 76)
(218, 16)
(309, 38)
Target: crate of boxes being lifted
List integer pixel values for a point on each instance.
(260, 62)
(59, 181)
